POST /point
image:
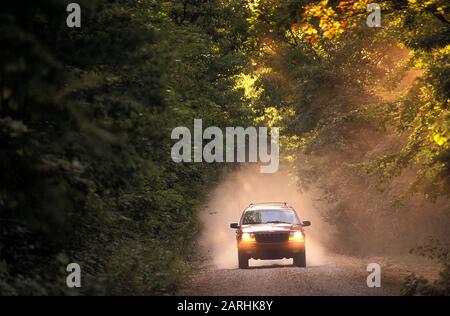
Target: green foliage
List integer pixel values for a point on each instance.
(369, 121)
(418, 285)
(85, 122)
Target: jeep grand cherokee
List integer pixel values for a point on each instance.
(270, 230)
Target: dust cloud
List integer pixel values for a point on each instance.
(227, 201)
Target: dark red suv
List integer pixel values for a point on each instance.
(270, 230)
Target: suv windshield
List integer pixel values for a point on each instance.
(270, 216)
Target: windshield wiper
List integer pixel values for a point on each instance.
(277, 222)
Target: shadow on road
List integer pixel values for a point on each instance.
(270, 266)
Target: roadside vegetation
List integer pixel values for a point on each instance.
(86, 118)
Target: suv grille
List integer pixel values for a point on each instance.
(271, 237)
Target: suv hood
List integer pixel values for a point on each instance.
(269, 228)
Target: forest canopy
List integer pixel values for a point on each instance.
(86, 116)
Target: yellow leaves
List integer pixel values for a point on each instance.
(215, 50)
(426, 93)
(308, 29)
(293, 142)
(419, 5)
(323, 20)
(273, 116)
(439, 139)
(290, 145)
(333, 30)
(439, 129)
(247, 82)
(289, 158)
(353, 6)
(445, 51)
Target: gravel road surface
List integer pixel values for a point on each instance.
(336, 275)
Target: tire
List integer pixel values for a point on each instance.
(300, 259)
(243, 261)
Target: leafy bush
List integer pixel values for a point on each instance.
(418, 285)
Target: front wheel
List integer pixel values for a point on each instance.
(243, 261)
(300, 259)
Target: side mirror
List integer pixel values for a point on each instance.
(235, 225)
(306, 223)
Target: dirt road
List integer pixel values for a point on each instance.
(336, 275)
(327, 273)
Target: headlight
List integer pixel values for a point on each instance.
(248, 237)
(296, 236)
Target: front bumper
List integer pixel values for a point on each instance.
(277, 250)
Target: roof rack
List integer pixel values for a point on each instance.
(270, 203)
